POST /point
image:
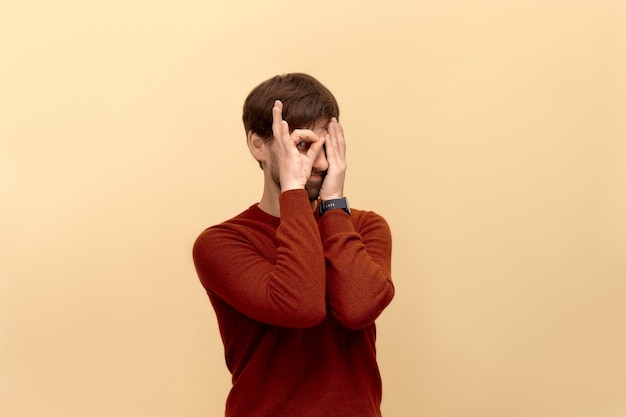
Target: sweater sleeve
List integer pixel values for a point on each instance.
(288, 291)
(358, 259)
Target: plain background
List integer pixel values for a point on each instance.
(490, 134)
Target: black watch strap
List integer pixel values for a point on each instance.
(339, 203)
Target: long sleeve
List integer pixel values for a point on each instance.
(295, 298)
(358, 260)
(277, 280)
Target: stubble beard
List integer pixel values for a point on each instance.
(312, 187)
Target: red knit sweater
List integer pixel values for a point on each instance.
(296, 298)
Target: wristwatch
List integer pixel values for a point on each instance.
(339, 203)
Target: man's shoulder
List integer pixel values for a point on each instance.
(248, 221)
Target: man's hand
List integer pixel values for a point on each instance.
(294, 164)
(336, 156)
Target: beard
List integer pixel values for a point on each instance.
(312, 187)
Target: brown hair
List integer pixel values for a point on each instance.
(305, 101)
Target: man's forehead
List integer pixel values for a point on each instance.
(319, 124)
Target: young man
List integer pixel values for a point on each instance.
(297, 280)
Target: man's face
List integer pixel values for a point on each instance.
(320, 165)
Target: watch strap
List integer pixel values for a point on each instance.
(335, 204)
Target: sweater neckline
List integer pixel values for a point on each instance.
(265, 217)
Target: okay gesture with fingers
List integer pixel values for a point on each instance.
(294, 165)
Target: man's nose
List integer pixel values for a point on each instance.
(321, 163)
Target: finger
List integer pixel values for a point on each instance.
(304, 134)
(277, 119)
(340, 141)
(337, 129)
(339, 126)
(329, 148)
(316, 147)
(332, 136)
(277, 112)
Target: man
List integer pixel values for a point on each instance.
(297, 280)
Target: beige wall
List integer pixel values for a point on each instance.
(491, 135)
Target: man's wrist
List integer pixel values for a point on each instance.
(289, 187)
(334, 204)
(326, 197)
